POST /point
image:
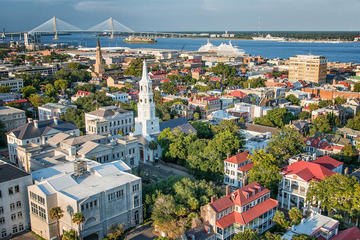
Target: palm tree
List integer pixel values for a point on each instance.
(78, 219)
(56, 213)
(116, 231)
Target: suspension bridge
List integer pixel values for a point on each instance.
(56, 25)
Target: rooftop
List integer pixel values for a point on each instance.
(107, 111)
(311, 225)
(348, 234)
(99, 178)
(8, 172)
(307, 171)
(240, 197)
(9, 110)
(238, 158)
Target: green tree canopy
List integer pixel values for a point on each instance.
(293, 99)
(295, 216)
(275, 118)
(247, 234)
(286, 144)
(27, 91)
(266, 171)
(5, 89)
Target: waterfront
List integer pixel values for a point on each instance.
(342, 52)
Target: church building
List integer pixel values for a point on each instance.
(146, 123)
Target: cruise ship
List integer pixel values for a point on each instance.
(269, 38)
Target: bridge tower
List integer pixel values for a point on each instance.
(55, 30)
(112, 28)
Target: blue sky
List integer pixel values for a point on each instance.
(183, 15)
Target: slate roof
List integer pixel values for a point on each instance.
(107, 111)
(28, 130)
(8, 172)
(259, 128)
(180, 123)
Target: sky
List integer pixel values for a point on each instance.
(187, 15)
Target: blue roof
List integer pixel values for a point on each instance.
(181, 123)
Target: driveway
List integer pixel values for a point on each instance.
(144, 232)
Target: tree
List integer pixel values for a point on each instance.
(153, 145)
(135, 67)
(50, 90)
(5, 89)
(304, 115)
(3, 141)
(302, 237)
(70, 235)
(279, 218)
(265, 171)
(275, 118)
(293, 99)
(286, 144)
(78, 219)
(61, 84)
(348, 154)
(337, 193)
(36, 100)
(56, 213)
(356, 87)
(320, 124)
(295, 216)
(169, 88)
(247, 234)
(325, 103)
(340, 100)
(354, 123)
(203, 129)
(116, 231)
(27, 91)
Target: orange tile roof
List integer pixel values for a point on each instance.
(238, 158)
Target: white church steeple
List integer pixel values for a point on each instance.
(146, 122)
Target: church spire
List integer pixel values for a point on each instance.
(145, 76)
(99, 64)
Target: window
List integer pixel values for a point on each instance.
(15, 229)
(11, 191)
(19, 214)
(1, 210)
(0, 194)
(13, 216)
(136, 201)
(18, 204)
(21, 227)
(17, 189)
(12, 206)
(3, 233)
(34, 208)
(135, 187)
(2, 220)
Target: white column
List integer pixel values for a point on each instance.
(282, 199)
(298, 200)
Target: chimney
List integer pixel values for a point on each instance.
(56, 120)
(30, 120)
(36, 123)
(212, 199)
(227, 190)
(228, 155)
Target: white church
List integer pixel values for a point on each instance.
(146, 123)
(147, 126)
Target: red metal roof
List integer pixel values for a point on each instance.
(238, 158)
(237, 93)
(246, 217)
(246, 167)
(18, 101)
(328, 162)
(307, 171)
(348, 234)
(240, 197)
